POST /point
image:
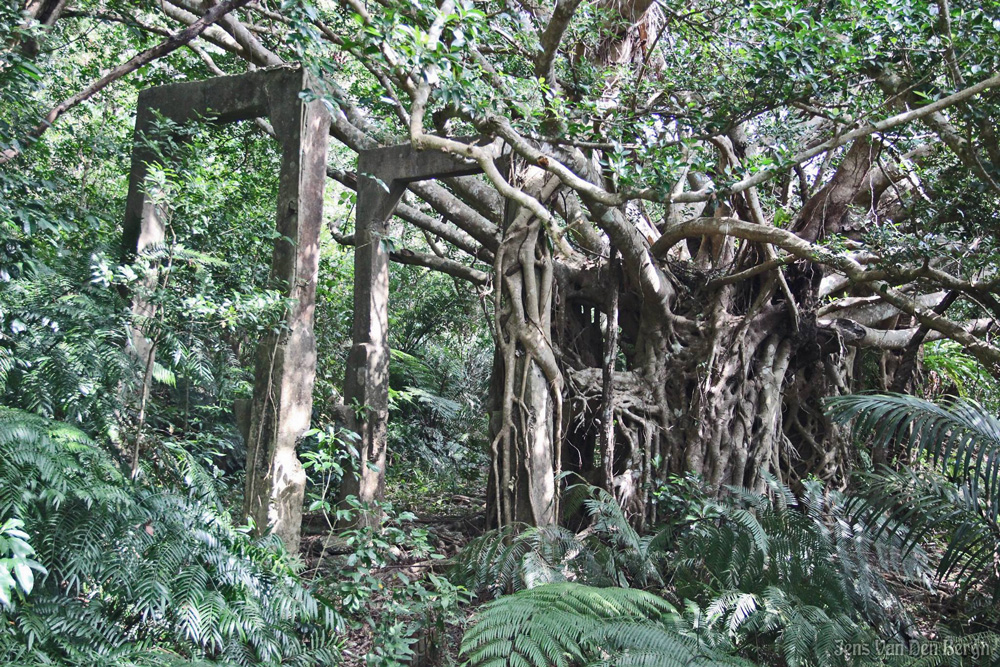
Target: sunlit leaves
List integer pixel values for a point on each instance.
(17, 568)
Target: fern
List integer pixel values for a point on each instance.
(572, 624)
(516, 557)
(610, 552)
(630, 559)
(957, 433)
(924, 505)
(789, 579)
(768, 576)
(958, 499)
(136, 571)
(978, 649)
(67, 349)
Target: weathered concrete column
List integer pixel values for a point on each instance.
(146, 227)
(366, 387)
(382, 178)
(286, 361)
(143, 224)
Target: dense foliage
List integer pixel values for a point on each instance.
(699, 369)
(139, 573)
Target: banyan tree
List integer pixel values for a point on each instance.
(692, 221)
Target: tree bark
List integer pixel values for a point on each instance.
(526, 421)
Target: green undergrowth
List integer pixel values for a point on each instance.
(136, 572)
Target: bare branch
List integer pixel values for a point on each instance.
(757, 269)
(551, 37)
(116, 18)
(433, 262)
(944, 25)
(214, 34)
(899, 339)
(442, 264)
(982, 350)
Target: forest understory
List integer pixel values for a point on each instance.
(499, 333)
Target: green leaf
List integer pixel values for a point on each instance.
(24, 576)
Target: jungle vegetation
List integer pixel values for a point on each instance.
(700, 368)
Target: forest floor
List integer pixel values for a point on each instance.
(425, 546)
(443, 524)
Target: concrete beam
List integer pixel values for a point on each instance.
(403, 164)
(224, 99)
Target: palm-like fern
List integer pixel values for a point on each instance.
(566, 624)
(609, 552)
(959, 435)
(924, 504)
(957, 499)
(136, 572)
(788, 577)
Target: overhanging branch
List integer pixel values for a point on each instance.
(433, 262)
(165, 47)
(551, 37)
(855, 272)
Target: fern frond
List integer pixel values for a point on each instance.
(567, 623)
(957, 432)
(959, 499)
(135, 569)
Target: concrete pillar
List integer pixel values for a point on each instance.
(366, 387)
(286, 361)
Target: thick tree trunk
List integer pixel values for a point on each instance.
(526, 389)
(732, 397)
(723, 418)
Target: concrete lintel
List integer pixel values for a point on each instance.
(406, 164)
(224, 99)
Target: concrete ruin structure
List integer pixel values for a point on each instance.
(383, 175)
(286, 361)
